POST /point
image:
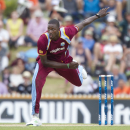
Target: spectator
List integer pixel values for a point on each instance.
(3, 56)
(15, 79)
(113, 52)
(74, 9)
(2, 6)
(122, 88)
(58, 11)
(83, 55)
(88, 41)
(20, 63)
(70, 6)
(125, 23)
(35, 28)
(91, 7)
(117, 76)
(99, 50)
(15, 29)
(120, 7)
(5, 76)
(3, 88)
(125, 62)
(88, 87)
(26, 86)
(68, 20)
(4, 35)
(111, 28)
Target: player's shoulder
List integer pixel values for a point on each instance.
(44, 36)
(43, 39)
(72, 27)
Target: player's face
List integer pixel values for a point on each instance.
(53, 31)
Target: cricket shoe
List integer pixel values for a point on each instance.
(84, 73)
(35, 122)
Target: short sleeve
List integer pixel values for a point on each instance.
(42, 45)
(71, 31)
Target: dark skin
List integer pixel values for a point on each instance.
(53, 31)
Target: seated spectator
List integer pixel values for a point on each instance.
(91, 7)
(15, 29)
(26, 86)
(82, 55)
(4, 35)
(88, 87)
(35, 28)
(5, 76)
(120, 8)
(99, 49)
(15, 79)
(3, 88)
(70, 6)
(88, 41)
(125, 23)
(111, 28)
(58, 11)
(122, 88)
(68, 20)
(75, 9)
(20, 64)
(117, 75)
(113, 52)
(3, 57)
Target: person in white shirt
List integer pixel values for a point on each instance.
(113, 51)
(4, 35)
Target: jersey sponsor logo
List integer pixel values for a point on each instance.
(40, 51)
(58, 49)
(62, 44)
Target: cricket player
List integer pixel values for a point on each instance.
(54, 55)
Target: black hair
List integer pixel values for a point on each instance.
(54, 21)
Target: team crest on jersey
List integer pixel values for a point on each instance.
(40, 51)
(62, 44)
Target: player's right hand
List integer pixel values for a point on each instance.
(73, 65)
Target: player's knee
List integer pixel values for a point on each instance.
(78, 84)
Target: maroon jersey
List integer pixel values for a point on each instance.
(57, 50)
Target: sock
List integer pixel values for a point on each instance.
(36, 115)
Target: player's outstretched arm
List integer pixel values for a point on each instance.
(102, 13)
(53, 64)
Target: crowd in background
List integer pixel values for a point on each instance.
(103, 47)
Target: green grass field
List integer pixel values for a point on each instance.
(63, 127)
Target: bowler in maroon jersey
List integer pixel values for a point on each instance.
(54, 55)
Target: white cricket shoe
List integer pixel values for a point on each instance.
(35, 122)
(84, 74)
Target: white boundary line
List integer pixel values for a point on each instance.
(58, 125)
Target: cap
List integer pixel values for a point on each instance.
(38, 13)
(113, 38)
(26, 74)
(68, 18)
(111, 18)
(104, 38)
(88, 32)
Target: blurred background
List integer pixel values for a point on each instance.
(103, 47)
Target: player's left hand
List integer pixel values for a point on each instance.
(103, 12)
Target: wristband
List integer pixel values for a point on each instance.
(68, 65)
(97, 15)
